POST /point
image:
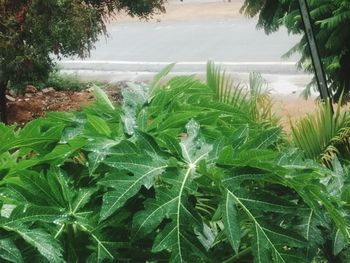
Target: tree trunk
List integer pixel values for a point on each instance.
(3, 104)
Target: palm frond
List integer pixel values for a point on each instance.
(260, 99)
(226, 90)
(253, 98)
(324, 134)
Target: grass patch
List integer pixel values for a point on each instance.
(61, 82)
(64, 82)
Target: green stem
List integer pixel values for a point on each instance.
(237, 257)
(99, 242)
(59, 231)
(72, 255)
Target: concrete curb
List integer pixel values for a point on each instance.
(282, 84)
(196, 66)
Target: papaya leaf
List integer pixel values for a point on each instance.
(173, 203)
(267, 240)
(46, 245)
(9, 251)
(144, 169)
(231, 222)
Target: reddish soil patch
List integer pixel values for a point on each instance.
(28, 106)
(33, 105)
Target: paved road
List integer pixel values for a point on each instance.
(148, 46)
(134, 49)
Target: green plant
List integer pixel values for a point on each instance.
(331, 19)
(254, 98)
(61, 81)
(324, 134)
(174, 175)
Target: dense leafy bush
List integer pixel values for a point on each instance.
(331, 23)
(184, 171)
(34, 33)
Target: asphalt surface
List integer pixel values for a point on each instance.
(148, 46)
(135, 50)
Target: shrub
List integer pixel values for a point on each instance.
(176, 174)
(34, 33)
(331, 19)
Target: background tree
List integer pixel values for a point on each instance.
(332, 19)
(34, 32)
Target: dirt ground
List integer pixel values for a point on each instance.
(292, 108)
(30, 105)
(26, 108)
(190, 10)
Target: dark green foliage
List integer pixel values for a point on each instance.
(178, 174)
(34, 32)
(331, 24)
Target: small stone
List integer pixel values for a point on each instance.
(28, 95)
(12, 92)
(26, 99)
(10, 98)
(30, 89)
(48, 90)
(40, 93)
